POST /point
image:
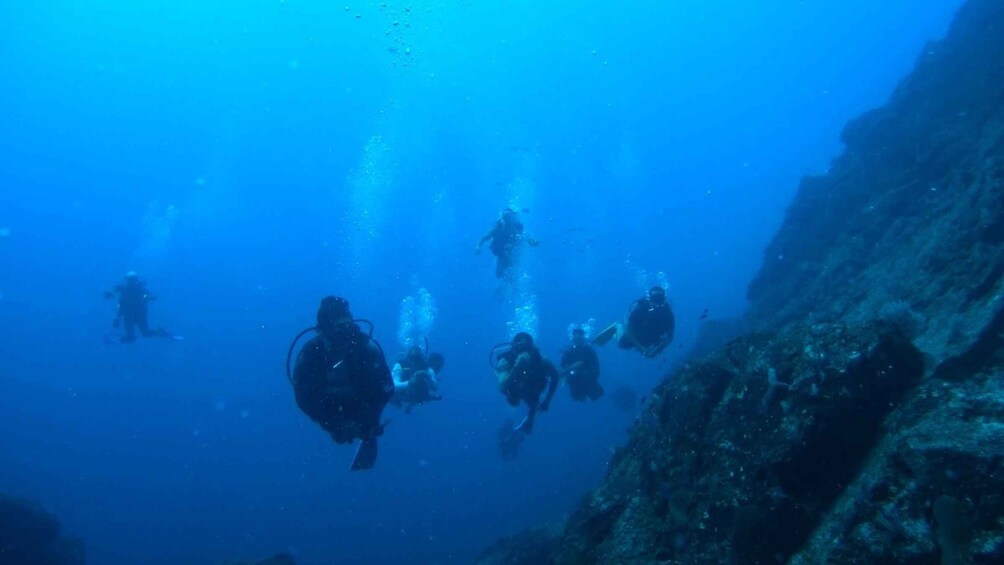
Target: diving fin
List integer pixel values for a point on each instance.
(366, 456)
(606, 335)
(524, 427)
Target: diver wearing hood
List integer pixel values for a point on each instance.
(649, 326)
(341, 380)
(523, 374)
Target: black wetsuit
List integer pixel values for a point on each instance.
(581, 367)
(529, 382)
(504, 244)
(648, 325)
(343, 383)
(133, 298)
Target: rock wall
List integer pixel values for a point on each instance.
(862, 421)
(911, 216)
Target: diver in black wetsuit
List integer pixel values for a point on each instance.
(506, 236)
(649, 326)
(341, 380)
(132, 311)
(580, 367)
(523, 374)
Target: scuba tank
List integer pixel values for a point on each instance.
(495, 352)
(292, 346)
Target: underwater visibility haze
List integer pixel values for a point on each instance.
(248, 158)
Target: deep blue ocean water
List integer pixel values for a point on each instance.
(249, 157)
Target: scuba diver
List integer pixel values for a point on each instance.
(132, 309)
(415, 378)
(523, 373)
(341, 379)
(580, 366)
(649, 327)
(506, 236)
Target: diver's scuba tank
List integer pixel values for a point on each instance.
(495, 352)
(292, 346)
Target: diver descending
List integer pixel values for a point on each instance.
(341, 379)
(523, 374)
(507, 237)
(132, 310)
(649, 326)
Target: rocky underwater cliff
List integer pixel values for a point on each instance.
(862, 420)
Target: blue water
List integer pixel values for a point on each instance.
(250, 157)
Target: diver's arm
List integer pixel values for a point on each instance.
(502, 368)
(400, 385)
(667, 335)
(552, 376)
(381, 372)
(308, 378)
(487, 237)
(115, 290)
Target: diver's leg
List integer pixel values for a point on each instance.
(526, 426)
(129, 327)
(141, 321)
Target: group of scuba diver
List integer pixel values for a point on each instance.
(342, 381)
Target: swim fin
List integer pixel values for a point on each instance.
(606, 335)
(524, 427)
(366, 456)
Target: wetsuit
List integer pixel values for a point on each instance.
(648, 325)
(581, 367)
(342, 382)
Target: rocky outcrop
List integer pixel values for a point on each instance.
(737, 457)
(532, 547)
(912, 213)
(31, 536)
(862, 420)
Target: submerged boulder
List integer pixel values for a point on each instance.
(532, 547)
(31, 536)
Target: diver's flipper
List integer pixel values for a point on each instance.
(525, 427)
(161, 332)
(606, 335)
(366, 456)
